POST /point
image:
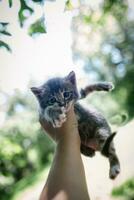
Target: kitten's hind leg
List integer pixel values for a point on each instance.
(114, 163)
(87, 151)
(113, 160)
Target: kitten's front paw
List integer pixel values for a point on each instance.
(106, 86)
(114, 171)
(57, 123)
(55, 115)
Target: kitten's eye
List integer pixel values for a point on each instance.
(52, 100)
(67, 95)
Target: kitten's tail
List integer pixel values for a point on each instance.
(105, 150)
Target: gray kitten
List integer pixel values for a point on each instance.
(55, 98)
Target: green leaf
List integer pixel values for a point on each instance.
(3, 27)
(23, 7)
(37, 27)
(5, 33)
(5, 45)
(10, 3)
(4, 23)
(68, 5)
(38, 1)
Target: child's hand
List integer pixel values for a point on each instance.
(68, 128)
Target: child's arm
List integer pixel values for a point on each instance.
(102, 86)
(66, 179)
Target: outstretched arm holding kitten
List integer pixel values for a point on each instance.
(66, 179)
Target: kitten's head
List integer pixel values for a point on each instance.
(60, 91)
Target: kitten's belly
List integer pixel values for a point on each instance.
(89, 122)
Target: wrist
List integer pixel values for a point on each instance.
(69, 140)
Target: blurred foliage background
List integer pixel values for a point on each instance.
(24, 147)
(103, 42)
(126, 190)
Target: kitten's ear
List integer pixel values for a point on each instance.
(71, 77)
(37, 91)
